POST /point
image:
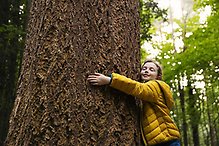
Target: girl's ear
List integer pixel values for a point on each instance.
(159, 77)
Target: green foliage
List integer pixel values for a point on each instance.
(9, 32)
(148, 13)
(196, 62)
(203, 45)
(143, 55)
(198, 57)
(202, 3)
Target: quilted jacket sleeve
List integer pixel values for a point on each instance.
(145, 91)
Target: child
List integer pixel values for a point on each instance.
(157, 127)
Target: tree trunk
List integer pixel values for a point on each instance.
(194, 114)
(212, 133)
(66, 41)
(184, 123)
(210, 113)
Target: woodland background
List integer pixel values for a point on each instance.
(191, 70)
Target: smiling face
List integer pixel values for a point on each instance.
(149, 71)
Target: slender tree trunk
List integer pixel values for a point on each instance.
(215, 110)
(195, 135)
(212, 129)
(194, 114)
(184, 123)
(66, 41)
(176, 110)
(213, 137)
(205, 128)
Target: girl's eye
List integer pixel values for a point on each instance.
(152, 69)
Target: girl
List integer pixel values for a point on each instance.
(157, 127)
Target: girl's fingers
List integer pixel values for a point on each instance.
(94, 83)
(97, 74)
(92, 80)
(92, 77)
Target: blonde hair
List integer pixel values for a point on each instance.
(159, 71)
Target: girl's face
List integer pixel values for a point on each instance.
(149, 71)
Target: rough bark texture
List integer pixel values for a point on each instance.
(66, 41)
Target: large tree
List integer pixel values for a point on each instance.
(66, 41)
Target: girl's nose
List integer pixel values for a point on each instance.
(146, 71)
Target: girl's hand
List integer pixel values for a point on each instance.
(98, 79)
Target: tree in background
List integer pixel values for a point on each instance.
(12, 22)
(192, 71)
(149, 12)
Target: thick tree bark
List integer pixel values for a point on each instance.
(66, 41)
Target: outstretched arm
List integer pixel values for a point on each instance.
(144, 91)
(98, 79)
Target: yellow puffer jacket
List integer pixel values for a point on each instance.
(156, 123)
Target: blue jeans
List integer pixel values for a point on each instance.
(170, 143)
(175, 143)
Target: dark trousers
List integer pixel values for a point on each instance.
(169, 143)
